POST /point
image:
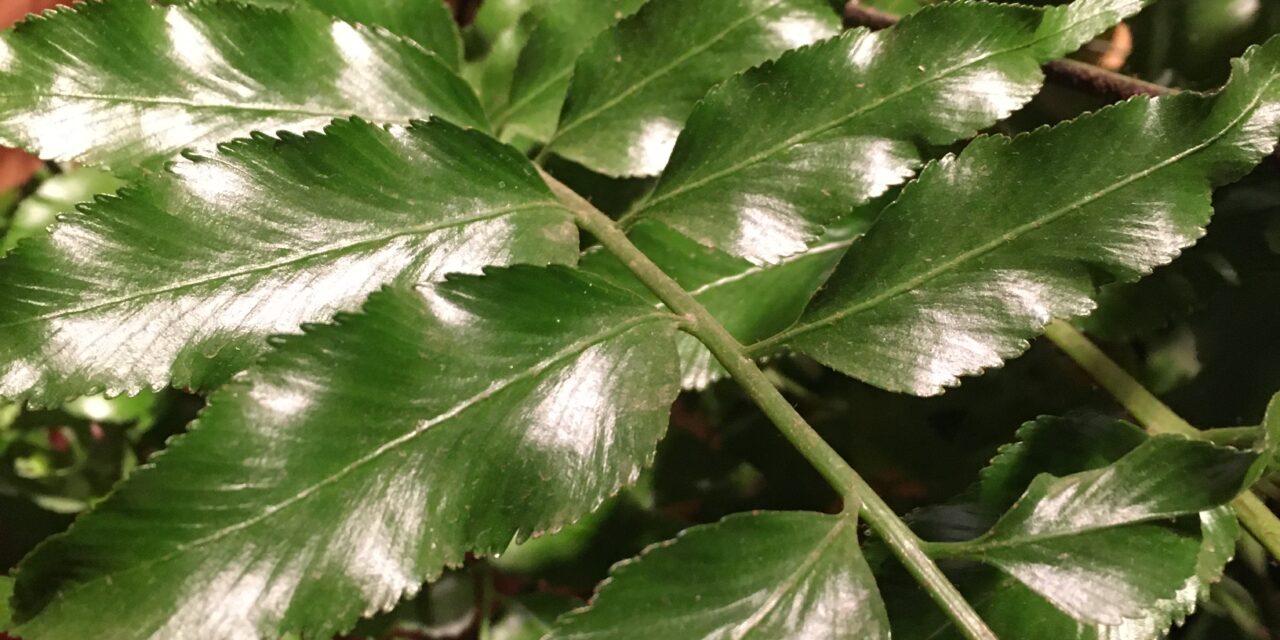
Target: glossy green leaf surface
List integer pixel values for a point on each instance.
(838, 123)
(635, 85)
(193, 76)
(985, 248)
(1097, 544)
(54, 197)
(752, 576)
(1014, 611)
(562, 30)
(180, 279)
(427, 22)
(1060, 446)
(730, 288)
(355, 461)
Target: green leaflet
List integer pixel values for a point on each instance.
(1093, 543)
(633, 88)
(760, 575)
(56, 196)
(180, 279)
(1014, 611)
(986, 247)
(715, 187)
(427, 22)
(838, 123)
(562, 29)
(197, 75)
(357, 460)
(494, 43)
(1064, 446)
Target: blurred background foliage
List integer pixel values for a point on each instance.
(1202, 332)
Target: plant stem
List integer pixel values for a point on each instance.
(699, 322)
(1157, 418)
(1071, 73)
(1241, 437)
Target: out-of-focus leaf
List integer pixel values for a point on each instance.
(181, 278)
(56, 196)
(359, 459)
(6, 592)
(562, 29)
(633, 88)
(535, 554)
(118, 410)
(193, 76)
(497, 16)
(975, 257)
(840, 122)
(531, 617)
(491, 75)
(762, 575)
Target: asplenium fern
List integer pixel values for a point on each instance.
(482, 382)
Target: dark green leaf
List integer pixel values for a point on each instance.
(1058, 446)
(985, 248)
(761, 575)
(1130, 309)
(427, 22)
(124, 82)
(357, 460)
(181, 278)
(838, 123)
(562, 29)
(56, 196)
(1094, 544)
(634, 86)
(1014, 611)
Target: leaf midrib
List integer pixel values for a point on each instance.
(1007, 237)
(785, 262)
(659, 72)
(278, 264)
(978, 547)
(503, 119)
(741, 630)
(457, 409)
(226, 106)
